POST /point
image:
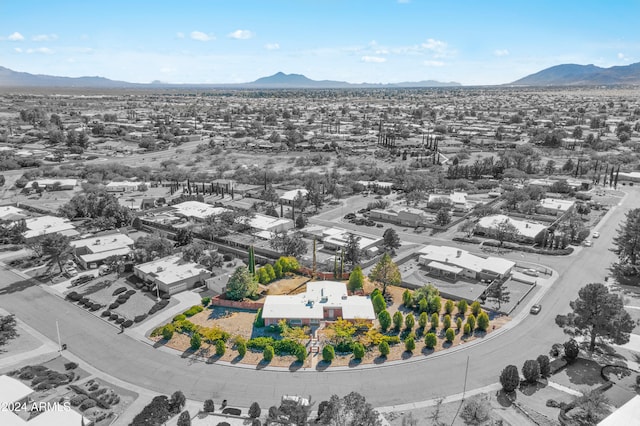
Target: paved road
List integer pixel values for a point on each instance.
(423, 378)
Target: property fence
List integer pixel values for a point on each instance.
(221, 301)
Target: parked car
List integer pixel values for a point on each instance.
(587, 243)
(535, 309)
(532, 272)
(82, 279)
(350, 216)
(596, 235)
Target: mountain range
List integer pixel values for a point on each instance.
(582, 75)
(10, 78)
(559, 75)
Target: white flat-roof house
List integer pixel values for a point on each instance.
(554, 206)
(452, 263)
(11, 213)
(289, 196)
(196, 210)
(43, 225)
(323, 301)
(49, 184)
(172, 274)
(125, 186)
(527, 230)
(92, 252)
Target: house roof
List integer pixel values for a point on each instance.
(625, 415)
(104, 243)
(197, 209)
(445, 255)
(556, 204)
(43, 225)
(11, 213)
(172, 269)
(115, 184)
(526, 228)
(311, 304)
(12, 390)
(267, 223)
(50, 182)
(443, 267)
(291, 195)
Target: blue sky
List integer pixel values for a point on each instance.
(198, 41)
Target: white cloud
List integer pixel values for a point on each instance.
(433, 63)
(241, 34)
(272, 46)
(17, 49)
(438, 47)
(501, 52)
(373, 59)
(200, 36)
(45, 37)
(16, 36)
(180, 35)
(44, 50)
(623, 57)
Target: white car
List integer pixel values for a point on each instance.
(588, 243)
(532, 272)
(596, 235)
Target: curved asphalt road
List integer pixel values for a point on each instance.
(434, 376)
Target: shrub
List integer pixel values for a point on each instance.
(483, 321)
(384, 318)
(571, 350)
(328, 353)
(180, 317)
(167, 332)
(379, 304)
(545, 367)
(105, 313)
(471, 322)
(531, 370)
(119, 320)
(268, 353)
(409, 321)
(397, 320)
(475, 411)
(87, 403)
(458, 323)
(435, 321)
(384, 348)
(462, 307)
(140, 318)
(195, 309)
(476, 308)
(196, 341)
(410, 343)
(300, 353)
(358, 350)
(259, 322)
(184, 419)
(423, 319)
(113, 317)
(450, 334)
(446, 322)
(448, 306)
(209, 407)
(114, 305)
(129, 292)
(94, 307)
(241, 347)
(128, 323)
(509, 378)
(254, 410)
(430, 340)
(206, 301)
(220, 347)
(407, 298)
(70, 365)
(119, 290)
(77, 399)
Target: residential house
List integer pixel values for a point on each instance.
(554, 206)
(172, 274)
(92, 252)
(323, 301)
(44, 225)
(527, 231)
(124, 186)
(453, 263)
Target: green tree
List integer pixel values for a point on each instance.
(627, 248)
(443, 217)
(167, 331)
(184, 419)
(57, 247)
(471, 321)
(184, 236)
(409, 321)
(241, 284)
(475, 411)
(531, 370)
(254, 410)
(571, 350)
(545, 367)
(397, 320)
(410, 343)
(462, 307)
(435, 321)
(503, 231)
(356, 280)
(358, 351)
(446, 322)
(384, 349)
(423, 319)
(7, 328)
(352, 250)
(430, 340)
(458, 323)
(384, 318)
(386, 273)
(592, 407)
(289, 244)
(598, 314)
(268, 353)
(328, 353)
(209, 406)
(379, 304)
(300, 353)
(450, 334)
(390, 241)
(476, 308)
(262, 276)
(351, 410)
(407, 298)
(448, 306)
(483, 321)
(241, 347)
(196, 341)
(509, 378)
(435, 304)
(467, 329)
(270, 272)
